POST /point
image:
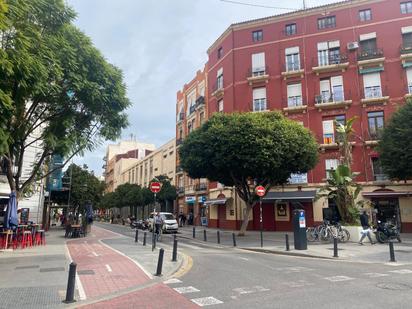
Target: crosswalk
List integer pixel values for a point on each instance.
(190, 291)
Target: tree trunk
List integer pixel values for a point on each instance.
(245, 222)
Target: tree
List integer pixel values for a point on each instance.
(395, 146)
(84, 186)
(55, 87)
(247, 149)
(129, 195)
(345, 132)
(168, 192)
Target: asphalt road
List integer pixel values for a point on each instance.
(234, 278)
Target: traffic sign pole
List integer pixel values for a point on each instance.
(261, 224)
(155, 187)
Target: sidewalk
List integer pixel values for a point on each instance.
(274, 242)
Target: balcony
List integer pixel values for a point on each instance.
(190, 189)
(218, 90)
(295, 106)
(179, 141)
(292, 70)
(380, 177)
(374, 96)
(200, 101)
(371, 60)
(179, 169)
(258, 75)
(328, 141)
(409, 94)
(180, 190)
(259, 105)
(372, 138)
(331, 63)
(332, 101)
(406, 54)
(201, 186)
(180, 117)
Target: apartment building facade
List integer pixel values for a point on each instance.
(191, 113)
(317, 66)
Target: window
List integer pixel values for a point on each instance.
(220, 52)
(330, 165)
(220, 106)
(258, 64)
(257, 35)
(378, 174)
(406, 7)
(365, 15)
(331, 90)
(328, 132)
(329, 53)
(219, 79)
(294, 95)
(372, 85)
(290, 29)
(259, 99)
(368, 45)
(375, 125)
(202, 118)
(292, 59)
(327, 22)
(409, 78)
(406, 40)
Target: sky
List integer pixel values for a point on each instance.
(159, 45)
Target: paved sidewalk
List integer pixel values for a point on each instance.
(274, 242)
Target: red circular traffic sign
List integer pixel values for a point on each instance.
(260, 191)
(155, 186)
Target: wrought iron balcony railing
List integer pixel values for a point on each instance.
(368, 54)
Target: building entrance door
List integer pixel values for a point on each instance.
(388, 210)
(221, 216)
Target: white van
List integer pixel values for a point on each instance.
(169, 222)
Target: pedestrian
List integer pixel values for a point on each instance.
(365, 227)
(158, 223)
(181, 219)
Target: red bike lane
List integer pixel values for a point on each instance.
(102, 271)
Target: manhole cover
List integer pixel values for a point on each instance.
(393, 286)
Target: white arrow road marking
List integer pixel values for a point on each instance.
(375, 275)
(338, 278)
(206, 301)
(172, 280)
(186, 289)
(109, 269)
(94, 253)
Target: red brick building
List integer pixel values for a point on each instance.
(333, 62)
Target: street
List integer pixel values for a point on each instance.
(234, 278)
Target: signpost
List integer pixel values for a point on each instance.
(155, 187)
(260, 191)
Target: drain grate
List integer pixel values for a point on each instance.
(27, 267)
(46, 270)
(86, 272)
(393, 286)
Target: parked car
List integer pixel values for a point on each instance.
(170, 224)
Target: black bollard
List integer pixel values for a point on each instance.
(194, 232)
(391, 251)
(204, 235)
(160, 262)
(144, 239)
(218, 237)
(71, 283)
(154, 243)
(136, 236)
(234, 239)
(287, 242)
(335, 247)
(174, 254)
(261, 238)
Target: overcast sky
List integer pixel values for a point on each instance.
(159, 45)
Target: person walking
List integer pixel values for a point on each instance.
(366, 228)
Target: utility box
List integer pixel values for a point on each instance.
(299, 230)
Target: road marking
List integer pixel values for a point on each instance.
(338, 278)
(190, 246)
(253, 289)
(206, 301)
(186, 289)
(94, 253)
(296, 269)
(375, 275)
(401, 271)
(243, 258)
(297, 284)
(172, 280)
(109, 269)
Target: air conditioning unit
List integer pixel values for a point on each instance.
(353, 45)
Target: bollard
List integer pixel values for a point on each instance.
(261, 238)
(234, 239)
(335, 247)
(174, 254)
(136, 237)
(204, 235)
(194, 232)
(144, 239)
(218, 237)
(153, 243)
(160, 262)
(287, 242)
(391, 251)
(71, 283)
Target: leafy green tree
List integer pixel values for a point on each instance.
(130, 195)
(395, 146)
(247, 149)
(110, 200)
(168, 192)
(345, 134)
(55, 88)
(84, 186)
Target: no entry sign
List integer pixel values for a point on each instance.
(155, 187)
(260, 191)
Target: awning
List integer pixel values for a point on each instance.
(296, 196)
(216, 201)
(387, 193)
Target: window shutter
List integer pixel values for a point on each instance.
(294, 90)
(331, 164)
(336, 81)
(405, 30)
(219, 72)
(367, 36)
(259, 93)
(409, 75)
(292, 50)
(324, 85)
(328, 127)
(258, 61)
(334, 44)
(371, 80)
(322, 45)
